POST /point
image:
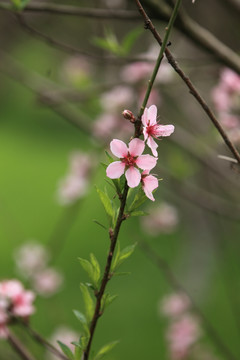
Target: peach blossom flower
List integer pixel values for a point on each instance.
(152, 130)
(131, 159)
(117, 99)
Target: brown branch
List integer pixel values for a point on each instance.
(176, 286)
(18, 347)
(113, 235)
(185, 78)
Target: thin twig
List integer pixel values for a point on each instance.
(176, 286)
(185, 78)
(18, 347)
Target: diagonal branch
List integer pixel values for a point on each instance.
(185, 78)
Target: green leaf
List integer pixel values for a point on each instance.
(130, 39)
(88, 301)
(96, 269)
(87, 266)
(81, 317)
(65, 349)
(19, 4)
(105, 349)
(109, 157)
(107, 300)
(139, 199)
(122, 256)
(107, 204)
(78, 351)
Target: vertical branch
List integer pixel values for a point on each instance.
(107, 276)
(160, 56)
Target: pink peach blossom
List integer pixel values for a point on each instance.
(117, 99)
(175, 304)
(162, 219)
(47, 282)
(131, 159)
(182, 334)
(151, 129)
(149, 183)
(230, 80)
(15, 298)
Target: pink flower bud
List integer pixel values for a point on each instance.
(128, 115)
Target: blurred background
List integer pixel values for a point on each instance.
(64, 81)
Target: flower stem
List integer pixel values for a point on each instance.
(160, 56)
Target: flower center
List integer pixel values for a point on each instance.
(152, 130)
(129, 160)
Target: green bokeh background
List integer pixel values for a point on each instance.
(35, 144)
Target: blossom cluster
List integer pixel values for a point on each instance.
(184, 330)
(32, 260)
(14, 301)
(132, 160)
(226, 98)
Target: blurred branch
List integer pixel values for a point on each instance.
(40, 340)
(149, 25)
(56, 9)
(176, 286)
(18, 347)
(200, 36)
(234, 3)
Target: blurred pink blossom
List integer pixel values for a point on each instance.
(175, 304)
(30, 257)
(47, 282)
(152, 130)
(107, 126)
(182, 335)
(76, 183)
(15, 298)
(131, 159)
(64, 334)
(230, 80)
(230, 121)
(77, 70)
(161, 219)
(137, 71)
(149, 183)
(117, 99)
(221, 98)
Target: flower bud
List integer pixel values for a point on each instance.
(127, 114)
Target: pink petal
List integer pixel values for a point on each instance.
(118, 148)
(153, 145)
(136, 147)
(133, 177)
(152, 114)
(150, 183)
(145, 134)
(145, 117)
(146, 162)
(165, 130)
(115, 169)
